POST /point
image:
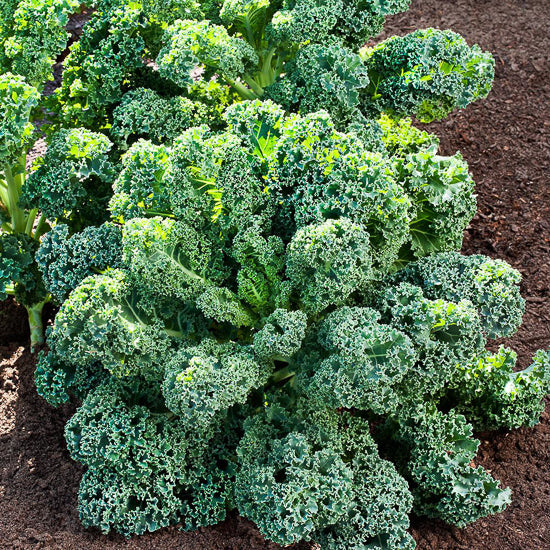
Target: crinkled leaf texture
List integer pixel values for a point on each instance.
(276, 318)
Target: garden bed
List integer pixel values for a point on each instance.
(505, 139)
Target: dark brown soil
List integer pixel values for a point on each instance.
(13, 322)
(506, 141)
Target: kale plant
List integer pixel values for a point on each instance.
(62, 188)
(156, 68)
(70, 186)
(31, 35)
(275, 319)
(278, 336)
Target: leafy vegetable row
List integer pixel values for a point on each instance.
(254, 251)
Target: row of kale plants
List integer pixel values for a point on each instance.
(254, 251)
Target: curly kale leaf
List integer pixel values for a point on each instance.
(202, 381)
(491, 285)
(177, 262)
(401, 138)
(327, 262)
(33, 34)
(17, 100)
(322, 76)
(58, 381)
(101, 63)
(144, 113)
(260, 277)
(312, 474)
(191, 43)
(442, 193)
(355, 21)
(65, 261)
(73, 178)
(107, 319)
(289, 486)
(137, 189)
(365, 364)
(444, 334)
(281, 336)
(145, 468)
(492, 395)
(440, 454)
(427, 73)
(18, 268)
(377, 518)
(171, 258)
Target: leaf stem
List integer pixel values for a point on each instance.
(256, 88)
(241, 89)
(283, 374)
(35, 323)
(41, 227)
(15, 176)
